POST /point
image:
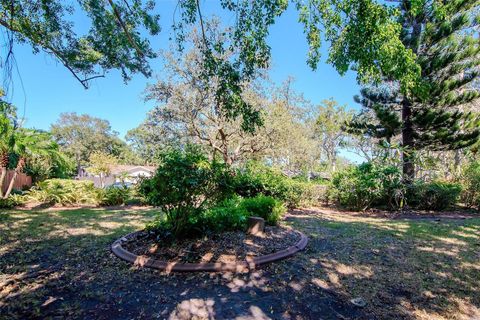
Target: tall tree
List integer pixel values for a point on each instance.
(80, 135)
(8, 125)
(113, 39)
(188, 110)
(331, 119)
(28, 143)
(101, 164)
(431, 115)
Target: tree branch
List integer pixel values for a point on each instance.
(124, 27)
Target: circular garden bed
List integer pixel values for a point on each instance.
(228, 251)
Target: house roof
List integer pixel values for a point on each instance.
(119, 168)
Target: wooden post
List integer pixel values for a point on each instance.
(256, 226)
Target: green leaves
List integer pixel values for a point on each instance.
(364, 36)
(112, 41)
(237, 56)
(184, 185)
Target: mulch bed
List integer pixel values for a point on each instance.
(227, 247)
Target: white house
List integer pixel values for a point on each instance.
(131, 174)
(119, 174)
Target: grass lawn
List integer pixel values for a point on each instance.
(57, 264)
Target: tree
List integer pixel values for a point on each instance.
(113, 40)
(431, 115)
(80, 135)
(289, 122)
(364, 36)
(189, 111)
(48, 166)
(28, 143)
(149, 138)
(7, 130)
(329, 131)
(101, 165)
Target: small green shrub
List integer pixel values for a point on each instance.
(437, 195)
(259, 179)
(313, 194)
(64, 192)
(14, 200)
(265, 207)
(229, 215)
(185, 184)
(470, 179)
(367, 185)
(114, 196)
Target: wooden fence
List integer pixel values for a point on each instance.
(22, 181)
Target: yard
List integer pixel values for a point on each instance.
(58, 264)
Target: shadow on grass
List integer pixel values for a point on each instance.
(58, 264)
(401, 268)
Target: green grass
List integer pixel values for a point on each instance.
(401, 268)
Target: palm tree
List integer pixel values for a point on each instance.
(27, 143)
(6, 144)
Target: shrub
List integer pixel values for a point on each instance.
(64, 192)
(14, 200)
(259, 179)
(265, 207)
(113, 196)
(368, 184)
(435, 195)
(470, 178)
(229, 215)
(313, 194)
(184, 185)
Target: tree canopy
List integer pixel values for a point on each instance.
(113, 39)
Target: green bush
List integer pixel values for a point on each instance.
(229, 215)
(185, 184)
(113, 196)
(436, 195)
(14, 200)
(64, 192)
(259, 179)
(367, 185)
(313, 194)
(470, 179)
(265, 207)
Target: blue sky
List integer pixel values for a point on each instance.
(49, 89)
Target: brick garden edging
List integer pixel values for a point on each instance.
(247, 264)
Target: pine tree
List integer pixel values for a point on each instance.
(433, 115)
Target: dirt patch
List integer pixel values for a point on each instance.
(228, 247)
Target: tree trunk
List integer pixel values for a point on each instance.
(4, 160)
(2, 180)
(407, 129)
(79, 165)
(457, 162)
(18, 169)
(333, 159)
(407, 143)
